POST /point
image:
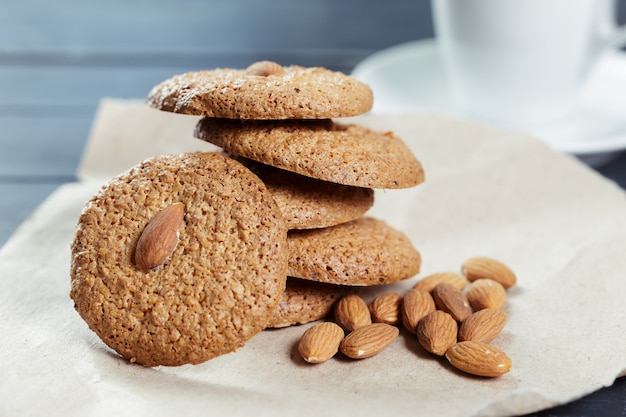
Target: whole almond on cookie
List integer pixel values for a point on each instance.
(368, 340)
(482, 326)
(437, 332)
(265, 68)
(351, 312)
(478, 358)
(485, 293)
(217, 289)
(386, 308)
(451, 300)
(160, 237)
(428, 283)
(484, 267)
(416, 304)
(320, 342)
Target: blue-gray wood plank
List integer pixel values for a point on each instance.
(145, 26)
(58, 59)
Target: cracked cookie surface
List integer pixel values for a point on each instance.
(347, 154)
(219, 287)
(295, 92)
(362, 252)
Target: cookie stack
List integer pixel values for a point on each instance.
(273, 231)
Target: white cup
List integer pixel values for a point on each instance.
(521, 62)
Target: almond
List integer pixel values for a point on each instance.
(482, 326)
(160, 237)
(429, 282)
(452, 300)
(320, 342)
(484, 267)
(478, 358)
(437, 332)
(416, 304)
(368, 340)
(351, 312)
(265, 68)
(386, 308)
(485, 293)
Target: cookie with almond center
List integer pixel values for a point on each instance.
(214, 290)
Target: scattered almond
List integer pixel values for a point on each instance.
(351, 312)
(482, 326)
(452, 300)
(386, 308)
(368, 341)
(160, 237)
(478, 358)
(452, 316)
(320, 342)
(484, 267)
(437, 332)
(416, 304)
(485, 293)
(429, 282)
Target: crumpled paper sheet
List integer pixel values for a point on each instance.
(560, 226)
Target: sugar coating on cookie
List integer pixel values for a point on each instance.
(363, 252)
(347, 154)
(265, 90)
(219, 287)
(308, 203)
(305, 301)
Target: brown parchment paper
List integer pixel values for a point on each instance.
(559, 225)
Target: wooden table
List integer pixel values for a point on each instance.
(59, 58)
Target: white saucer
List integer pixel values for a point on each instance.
(410, 78)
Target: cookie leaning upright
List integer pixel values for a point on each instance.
(265, 90)
(214, 288)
